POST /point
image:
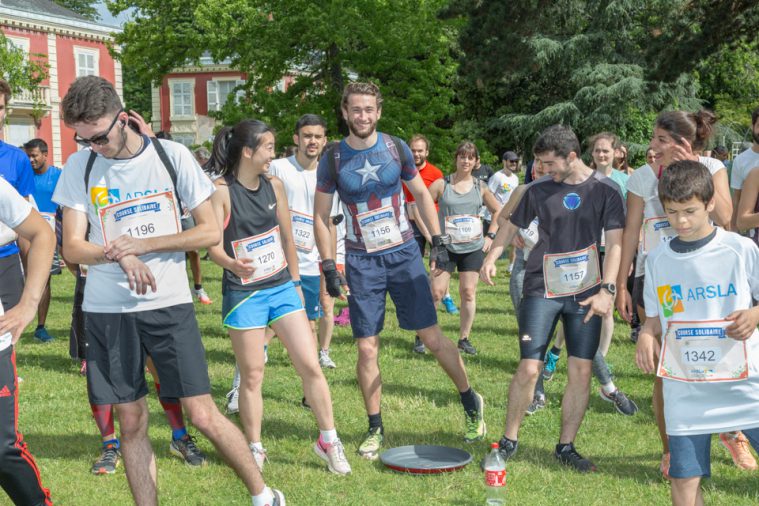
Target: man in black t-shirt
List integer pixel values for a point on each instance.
(563, 279)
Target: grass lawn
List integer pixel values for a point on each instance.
(420, 406)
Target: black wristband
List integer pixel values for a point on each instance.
(441, 240)
(328, 265)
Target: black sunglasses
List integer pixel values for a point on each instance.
(99, 140)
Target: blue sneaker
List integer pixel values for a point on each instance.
(550, 366)
(42, 335)
(450, 306)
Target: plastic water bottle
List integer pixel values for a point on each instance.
(495, 477)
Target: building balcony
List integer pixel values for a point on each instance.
(26, 99)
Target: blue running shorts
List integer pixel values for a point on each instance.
(243, 310)
(400, 273)
(311, 287)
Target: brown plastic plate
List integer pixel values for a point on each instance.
(425, 459)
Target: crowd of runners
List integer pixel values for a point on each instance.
(351, 220)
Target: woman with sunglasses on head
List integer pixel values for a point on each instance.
(677, 135)
(460, 197)
(261, 282)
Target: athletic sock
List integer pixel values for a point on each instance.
(115, 442)
(173, 409)
(264, 498)
(609, 388)
(375, 421)
(562, 446)
(327, 437)
(556, 351)
(258, 446)
(40, 327)
(469, 401)
(198, 287)
(103, 414)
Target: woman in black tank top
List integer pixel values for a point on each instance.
(260, 264)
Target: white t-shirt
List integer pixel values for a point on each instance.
(645, 184)
(711, 282)
(13, 210)
(112, 181)
(502, 186)
(742, 165)
(300, 186)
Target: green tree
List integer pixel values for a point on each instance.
(22, 71)
(401, 45)
(85, 8)
(527, 64)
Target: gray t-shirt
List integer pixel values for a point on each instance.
(570, 218)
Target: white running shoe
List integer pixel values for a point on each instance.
(203, 297)
(259, 456)
(233, 397)
(334, 456)
(325, 361)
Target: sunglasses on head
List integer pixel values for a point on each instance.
(98, 140)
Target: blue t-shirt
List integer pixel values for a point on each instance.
(367, 180)
(44, 186)
(15, 168)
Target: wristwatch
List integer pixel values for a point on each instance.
(491, 235)
(609, 287)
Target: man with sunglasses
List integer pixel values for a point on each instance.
(129, 190)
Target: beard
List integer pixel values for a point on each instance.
(754, 135)
(362, 135)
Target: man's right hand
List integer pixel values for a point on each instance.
(488, 272)
(624, 303)
(138, 274)
(333, 279)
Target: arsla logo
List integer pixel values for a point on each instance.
(572, 201)
(102, 196)
(671, 299)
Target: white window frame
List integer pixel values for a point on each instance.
(22, 43)
(171, 84)
(181, 137)
(86, 51)
(213, 100)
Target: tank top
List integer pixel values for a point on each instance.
(253, 213)
(455, 207)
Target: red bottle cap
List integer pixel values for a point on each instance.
(494, 445)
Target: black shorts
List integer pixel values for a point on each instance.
(419, 238)
(11, 280)
(637, 293)
(464, 262)
(117, 344)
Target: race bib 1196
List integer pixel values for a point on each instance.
(153, 215)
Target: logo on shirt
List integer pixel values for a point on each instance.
(572, 201)
(102, 196)
(670, 299)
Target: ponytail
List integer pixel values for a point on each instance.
(697, 128)
(229, 143)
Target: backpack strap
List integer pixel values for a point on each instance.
(170, 169)
(333, 160)
(395, 146)
(88, 170)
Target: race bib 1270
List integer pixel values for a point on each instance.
(266, 252)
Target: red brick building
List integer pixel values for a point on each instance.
(73, 46)
(182, 103)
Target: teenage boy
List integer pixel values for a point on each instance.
(698, 294)
(366, 169)
(563, 279)
(129, 190)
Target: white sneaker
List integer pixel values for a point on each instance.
(325, 361)
(259, 456)
(232, 398)
(203, 297)
(334, 456)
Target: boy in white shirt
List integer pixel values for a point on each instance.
(700, 287)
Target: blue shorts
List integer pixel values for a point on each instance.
(400, 273)
(310, 286)
(538, 317)
(690, 456)
(243, 310)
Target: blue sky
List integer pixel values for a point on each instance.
(108, 19)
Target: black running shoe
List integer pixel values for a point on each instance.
(506, 448)
(418, 346)
(186, 450)
(466, 347)
(569, 457)
(538, 402)
(108, 460)
(624, 404)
